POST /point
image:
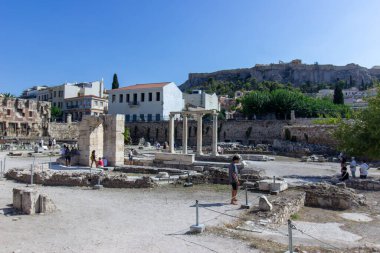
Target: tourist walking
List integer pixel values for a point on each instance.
(233, 178)
(54, 142)
(353, 167)
(50, 142)
(364, 169)
(93, 158)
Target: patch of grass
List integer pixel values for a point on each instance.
(295, 216)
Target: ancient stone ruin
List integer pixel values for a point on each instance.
(29, 201)
(104, 134)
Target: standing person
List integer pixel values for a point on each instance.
(67, 156)
(364, 169)
(93, 158)
(353, 167)
(130, 157)
(50, 143)
(54, 142)
(233, 177)
(343, 162)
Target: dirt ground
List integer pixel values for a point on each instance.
(157, 220)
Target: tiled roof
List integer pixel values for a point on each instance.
(143, 86)
(86, 96)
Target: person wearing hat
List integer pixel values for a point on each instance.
(353, 167)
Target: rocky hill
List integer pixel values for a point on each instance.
(294, 72)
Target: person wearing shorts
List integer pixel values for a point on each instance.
(233, 178)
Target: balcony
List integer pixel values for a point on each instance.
(133, 104)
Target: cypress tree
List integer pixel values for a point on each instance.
(338, 95)
(115, 82)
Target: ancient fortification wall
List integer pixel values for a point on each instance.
(314, 134)
(64, 131)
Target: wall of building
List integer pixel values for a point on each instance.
(63, 131)
(204, 100)
(23, 118)
(172, 99)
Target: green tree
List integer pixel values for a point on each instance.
(127, 136)
(361, 136)
(255, 102)
(115, 82)
(8, 95)
(56, 113)
(338, 95)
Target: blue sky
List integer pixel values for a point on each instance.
(51, 42)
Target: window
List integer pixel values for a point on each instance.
(101, 104)
(96, 103)
(150, 96)
(127, 117)
(134, 117)
(142, 97)
(127, 98)
(8, 112)
(135, 99)
(54, 104)
(142, 118)
(149, 117)
(121, 98)
(158, 96)
(55, 94)
(67, 105)
(113, 98)
(158, 117)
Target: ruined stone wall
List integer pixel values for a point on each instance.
(246, 131)
(64, 131)
(23, 118)
(313, 134)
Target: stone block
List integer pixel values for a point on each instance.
(45, 204)
(268, 185)
(179, 158)
(17, 198)
(29, 201)
(264, 204)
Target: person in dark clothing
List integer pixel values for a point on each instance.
(67, 156)
(233, 178)
(345, 175)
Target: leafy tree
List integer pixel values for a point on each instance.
(56, 113)
(338, 95)
(115, 82)
(255, 102)
(127, 136)
(361, 136)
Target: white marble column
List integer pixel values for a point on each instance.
(214, 143)
(171, 134)
(184, 134)
(199, 134)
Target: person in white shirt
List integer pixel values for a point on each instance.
(364, 169)
(353, 166)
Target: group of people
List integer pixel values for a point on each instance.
(100, 163)
(363, 168)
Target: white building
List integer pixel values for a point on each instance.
(31, 93)
(57, 94)
(325, 93)
(146, 102)
(85, 105)
(201, 99)
(348, 93)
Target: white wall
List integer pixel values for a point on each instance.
(204, 100)
(173, 101)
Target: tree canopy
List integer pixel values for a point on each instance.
(282, 101)
(338, 95)
(361, 136)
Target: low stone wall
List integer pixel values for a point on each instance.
(299, 149)
(284, 207)
(66, 178)
(313, 134)
(363, 184)
(332, 197)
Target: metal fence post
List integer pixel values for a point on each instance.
(290, 236)
(31, 174)
(197, 228)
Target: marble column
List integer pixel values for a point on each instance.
(184, 134)
(199, 134)
(214, 143)
(171, 134)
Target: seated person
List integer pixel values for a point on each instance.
(345, 174)
(100, 163)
